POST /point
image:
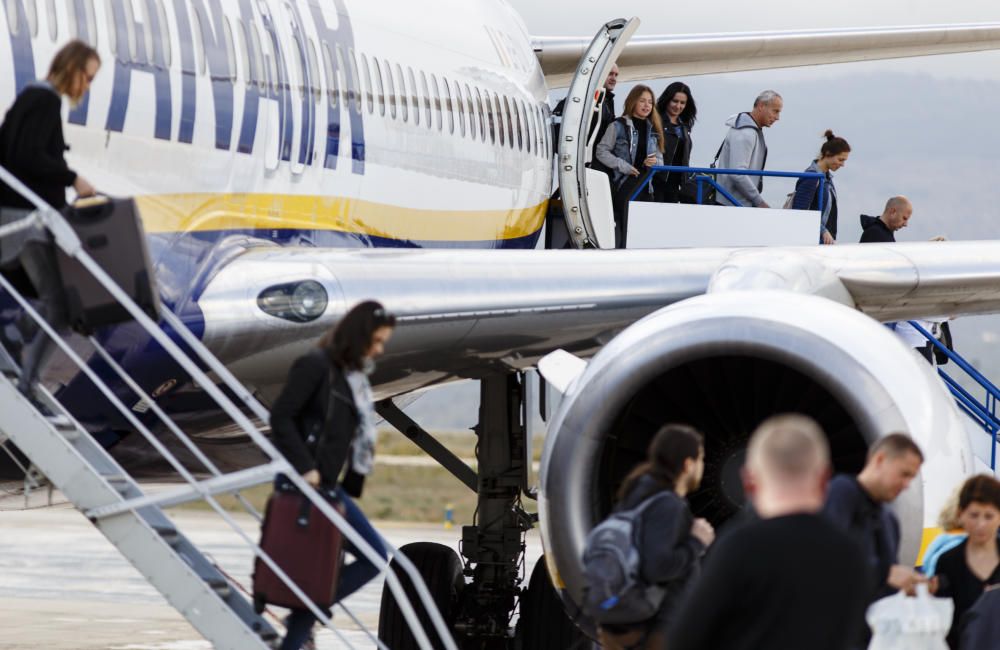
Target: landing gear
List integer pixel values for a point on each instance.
(441, 569)
(490, 572)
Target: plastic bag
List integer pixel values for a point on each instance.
(899, 622)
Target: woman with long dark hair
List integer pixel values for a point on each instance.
(673, 541)
(33, 149)
(630, 146)
(832, 156)
(324, 422)
(678, 112)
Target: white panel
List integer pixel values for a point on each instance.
(672, 225)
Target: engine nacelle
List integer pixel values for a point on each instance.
(724, 362)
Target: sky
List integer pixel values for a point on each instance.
(583, 17)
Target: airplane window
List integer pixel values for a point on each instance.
(519, 125)
(379, 91)
(460, 104)
(331, 75)
(130, 29)
(50, 12)
(482, 115)
(88, 16)
(508, 118)
(414, 96)
(314, 66)
(491, 120)
(165, 34)
(198, 36)
(470, 109)
(31, 14)
(13, 24)
(390, 87)
(448, 105)
(260, 76)
(438, 108)
(338, 72)
(112, 34)
(498, 108)
(403, 96)
(147, 31)
(528, 130)
(368, 85)
(356, 80)
(427, 99)
(547, 130)
(244, 49)
(227, 35)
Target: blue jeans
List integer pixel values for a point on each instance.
(353, 576)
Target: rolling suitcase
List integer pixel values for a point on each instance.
(307, 547)
(111, 232)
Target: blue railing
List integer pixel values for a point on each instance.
(702, 175)
(983, 413)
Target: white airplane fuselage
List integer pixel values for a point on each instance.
(327, 124)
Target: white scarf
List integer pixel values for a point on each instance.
(363, 445)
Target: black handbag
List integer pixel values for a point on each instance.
(939, 355)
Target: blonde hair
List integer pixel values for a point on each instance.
(788, 447)
(68, 61)
(654, 116)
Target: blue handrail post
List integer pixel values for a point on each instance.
(700, 187)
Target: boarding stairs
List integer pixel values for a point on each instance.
(58, 448)
(982, 414)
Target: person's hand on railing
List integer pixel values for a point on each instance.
(650, 161)
(828, 238)
(763, 204)
(83, 188)
(312, 477)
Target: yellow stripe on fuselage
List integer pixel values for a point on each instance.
(171, 213)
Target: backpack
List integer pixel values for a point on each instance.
(616, 592)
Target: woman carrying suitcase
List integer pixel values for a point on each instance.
(32, 148)
(324, 420)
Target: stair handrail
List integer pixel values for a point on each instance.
(67, 240)
(707, 175)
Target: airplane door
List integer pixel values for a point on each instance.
(586, 194)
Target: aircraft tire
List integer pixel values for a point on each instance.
(441, 569)
(544, 624)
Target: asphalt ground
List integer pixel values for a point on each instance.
(63, 586)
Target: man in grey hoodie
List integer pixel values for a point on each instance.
(744, 148)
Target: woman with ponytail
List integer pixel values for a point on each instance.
(832, 156)
(671, 540)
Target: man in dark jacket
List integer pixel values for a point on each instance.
(882, 229)
(789, 579)
(601, 124)
(859, 506)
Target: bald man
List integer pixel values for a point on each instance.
(882, 229)
(790, 580)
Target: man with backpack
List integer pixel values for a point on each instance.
(638, 561)
(789, 580)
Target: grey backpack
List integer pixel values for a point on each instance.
(615, 591)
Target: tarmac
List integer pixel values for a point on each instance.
(63, 586)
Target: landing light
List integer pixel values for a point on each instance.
(299, 302)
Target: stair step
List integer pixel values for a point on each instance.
(169, 534)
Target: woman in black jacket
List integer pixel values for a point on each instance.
(324, 421)
(678, 113)
(32, 148)
(672, 540)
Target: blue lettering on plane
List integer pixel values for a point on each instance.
(150, 62)
(210, 19)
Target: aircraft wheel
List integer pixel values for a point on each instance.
(544, 624)
(441, 569)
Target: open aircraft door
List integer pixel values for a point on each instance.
(586, 193)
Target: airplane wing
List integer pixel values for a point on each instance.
(466, 313)
(651, 57)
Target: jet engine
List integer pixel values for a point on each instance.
(723, 362)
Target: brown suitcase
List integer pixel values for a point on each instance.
(110, 230)
(307, 547)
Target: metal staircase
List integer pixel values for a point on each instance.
(58, 447)
(983, 413)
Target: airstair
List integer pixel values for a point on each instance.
(981, 414)
(58, 448)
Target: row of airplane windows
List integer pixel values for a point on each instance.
(467, 111)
